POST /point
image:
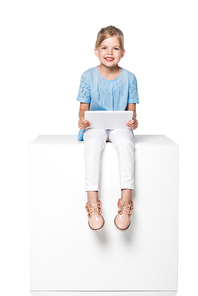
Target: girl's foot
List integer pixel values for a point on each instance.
(122, 220)
(95, 221)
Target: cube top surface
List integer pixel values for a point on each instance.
(73, 139)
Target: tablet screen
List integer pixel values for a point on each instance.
(108, 119)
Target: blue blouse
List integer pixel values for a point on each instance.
(109, 95)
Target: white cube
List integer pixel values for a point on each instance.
(66, 255)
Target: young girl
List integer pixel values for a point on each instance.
(108, 87)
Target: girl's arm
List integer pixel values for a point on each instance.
(132, 107)
(133, 124)
(82, 123)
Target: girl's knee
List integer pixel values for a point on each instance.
(127, 144)
(95, 138)
(92, 142)
(123, 139)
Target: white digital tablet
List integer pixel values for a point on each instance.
(108, 119)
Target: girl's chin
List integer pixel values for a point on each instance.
(109, 65)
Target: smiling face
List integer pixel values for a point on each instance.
(110, 52)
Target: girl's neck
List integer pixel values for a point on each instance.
(109, 73)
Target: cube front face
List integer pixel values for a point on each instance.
(65, 254)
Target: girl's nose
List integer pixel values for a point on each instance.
(109, 51)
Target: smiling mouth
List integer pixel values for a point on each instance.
(109, 59)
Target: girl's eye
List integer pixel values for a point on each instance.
(104, 47)
(116, 48)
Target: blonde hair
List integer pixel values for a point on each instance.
(108, 32)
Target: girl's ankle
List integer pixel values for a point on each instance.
(92, 197)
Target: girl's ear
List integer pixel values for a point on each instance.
(96, 52)
(123, 53)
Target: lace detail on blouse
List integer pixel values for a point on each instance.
(133, 94)
(84, 88)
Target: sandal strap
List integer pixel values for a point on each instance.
(124, 207)
(93, 209)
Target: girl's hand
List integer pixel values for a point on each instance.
(83, 124)
(133, 124)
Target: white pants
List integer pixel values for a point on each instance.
(94, 143)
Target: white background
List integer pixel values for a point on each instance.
(44, 48)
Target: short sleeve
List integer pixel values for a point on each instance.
(133, 92)
(84, 90)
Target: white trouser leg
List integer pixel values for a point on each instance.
(122, 140)
(94, 143)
